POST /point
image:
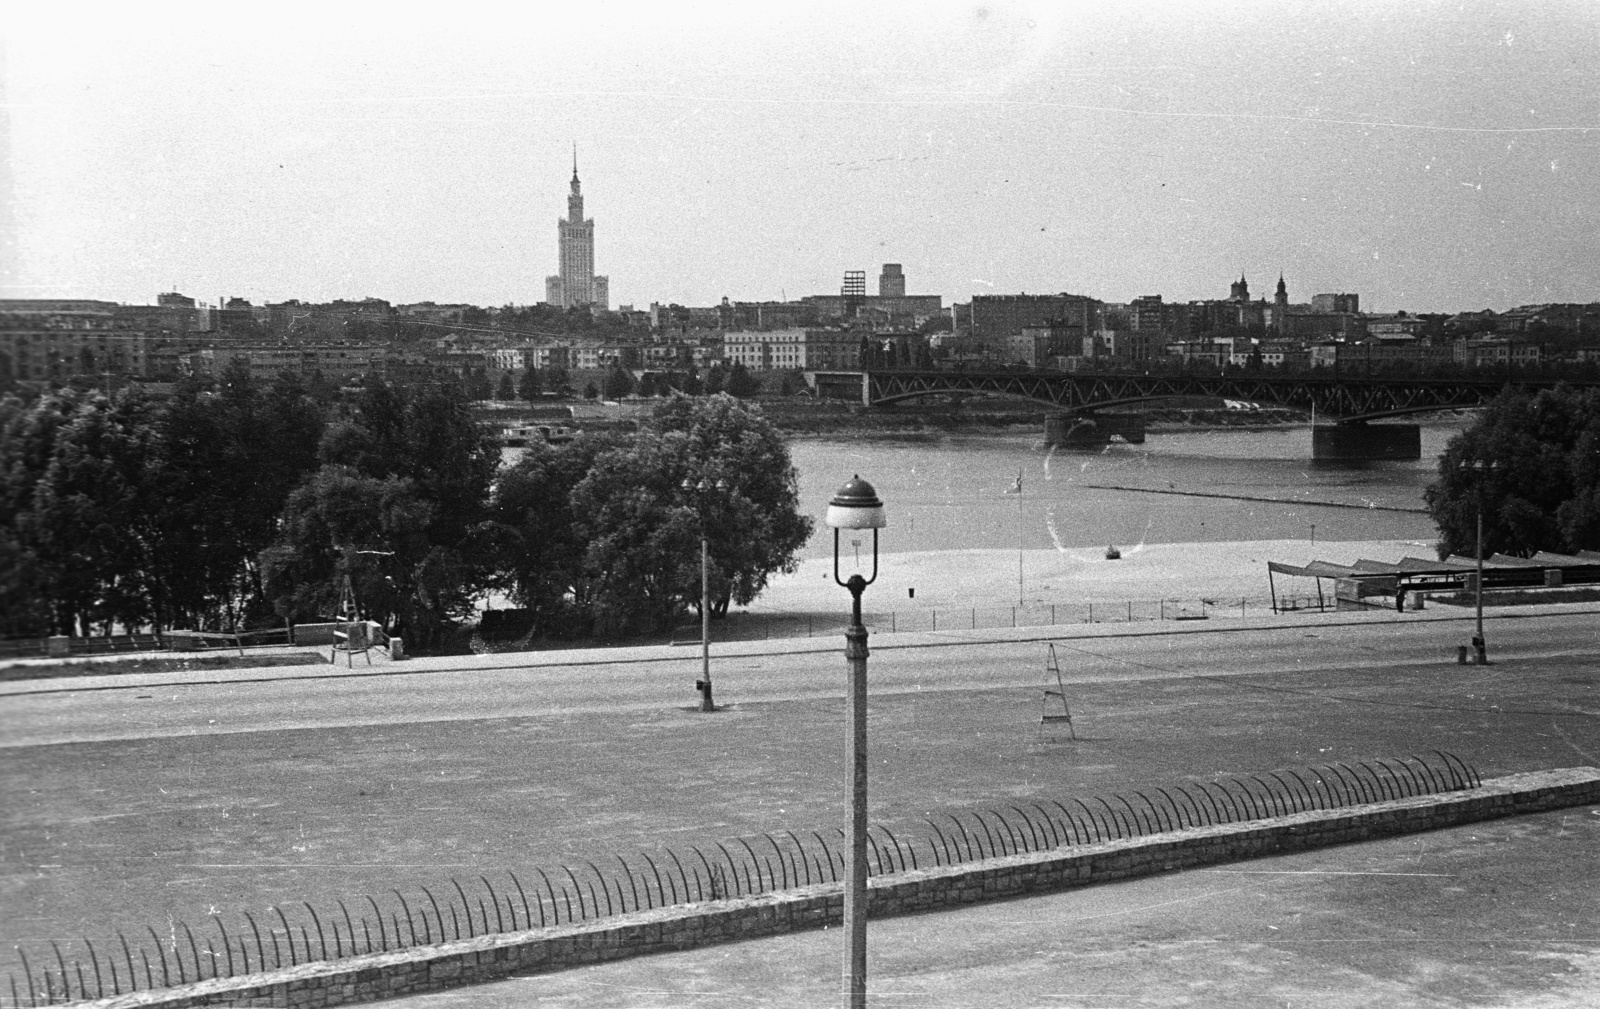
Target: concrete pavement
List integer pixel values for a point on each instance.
(156, 798)
(1500, 914)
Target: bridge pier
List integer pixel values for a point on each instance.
(1365, 442)
(1093, 430)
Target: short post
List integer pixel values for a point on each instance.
(57, 646)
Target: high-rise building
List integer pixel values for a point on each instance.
(576, 284)
(891, 282)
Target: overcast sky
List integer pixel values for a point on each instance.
(1429, 156)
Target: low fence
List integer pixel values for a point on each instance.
(64, 646)
(26, 648)
(752, 626)
(290, 936)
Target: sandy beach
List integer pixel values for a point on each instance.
(1178, 571)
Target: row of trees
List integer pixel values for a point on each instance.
(128, 511)
(735, 380)
(1531, 463)
(245, 505)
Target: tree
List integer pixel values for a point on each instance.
(128, 511)
(424, 437)
(716, 379)
(374, 531)
(591, 391)
(689, 383)
(476, 381)
(618, 382)
(639, 535)
(1532, 463)
(557, 380)
(24, 606)
(761, 528)
(529, 386)
(643, 527)
(541, 544)
(88, 523)
(426, 434)
(741, 383)
(506, 389)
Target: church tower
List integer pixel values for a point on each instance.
(576, 284)
(1280, 307)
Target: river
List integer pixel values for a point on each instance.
(950, 491)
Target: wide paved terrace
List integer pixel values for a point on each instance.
(151, 799)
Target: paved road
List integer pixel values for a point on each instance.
(543, 684)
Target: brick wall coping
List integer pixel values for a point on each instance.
(375, 976)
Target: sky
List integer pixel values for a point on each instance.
(1427, 156)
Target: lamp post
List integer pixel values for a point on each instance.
(1478, 642)
(700, 490)
(1016, 489)
(1480, 647)
(856, 506)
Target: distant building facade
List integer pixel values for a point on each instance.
(997, 316)
(1336, 303)
(778, 350)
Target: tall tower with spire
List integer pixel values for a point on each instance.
(1280, 307)
(576, 284)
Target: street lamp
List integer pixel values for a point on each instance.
(700, 490)
(1480, 468)
(856, 506)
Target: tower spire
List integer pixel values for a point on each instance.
(574, 161)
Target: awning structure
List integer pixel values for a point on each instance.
(1316, 569)
(1416, 574)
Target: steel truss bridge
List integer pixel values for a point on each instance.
(1351, 400)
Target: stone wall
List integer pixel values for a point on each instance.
(382, 975)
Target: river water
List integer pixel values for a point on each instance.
(950, 491)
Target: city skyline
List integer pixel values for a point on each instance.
(1430, 159)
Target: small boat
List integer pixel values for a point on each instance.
(1113, 554)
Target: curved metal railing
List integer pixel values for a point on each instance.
(289, 935)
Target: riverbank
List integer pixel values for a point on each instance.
(1187, 572)
(826, 418)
